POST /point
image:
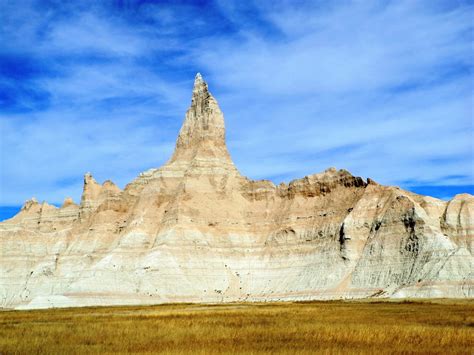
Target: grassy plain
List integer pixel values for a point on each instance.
(443, 327)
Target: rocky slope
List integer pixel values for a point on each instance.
(196, 230)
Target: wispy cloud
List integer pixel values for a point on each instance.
(381, 88)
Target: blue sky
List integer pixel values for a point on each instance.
(381, 88)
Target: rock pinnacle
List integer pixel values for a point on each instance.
(202, 135)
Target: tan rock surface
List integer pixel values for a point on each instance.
(196, 230)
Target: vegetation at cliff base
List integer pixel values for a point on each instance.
(309, 327)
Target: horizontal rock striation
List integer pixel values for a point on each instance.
(196, 230)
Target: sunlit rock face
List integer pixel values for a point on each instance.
(196, 230)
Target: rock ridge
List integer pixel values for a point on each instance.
(196, 230)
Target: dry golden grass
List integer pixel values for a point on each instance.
(312, 327)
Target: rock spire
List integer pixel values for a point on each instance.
(202, 135)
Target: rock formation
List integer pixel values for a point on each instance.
(196, 230)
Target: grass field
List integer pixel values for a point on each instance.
(443, 327)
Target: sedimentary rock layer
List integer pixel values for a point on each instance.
(196, 230)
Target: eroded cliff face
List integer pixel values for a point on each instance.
(196, 230)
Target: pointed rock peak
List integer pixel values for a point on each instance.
(91, 188)
(202, 136)
(204, 120)
(46, 206)
(89, 179)
(199, 81)
(109, 185)
(68, 201)
(29, 203)
(200, 90)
